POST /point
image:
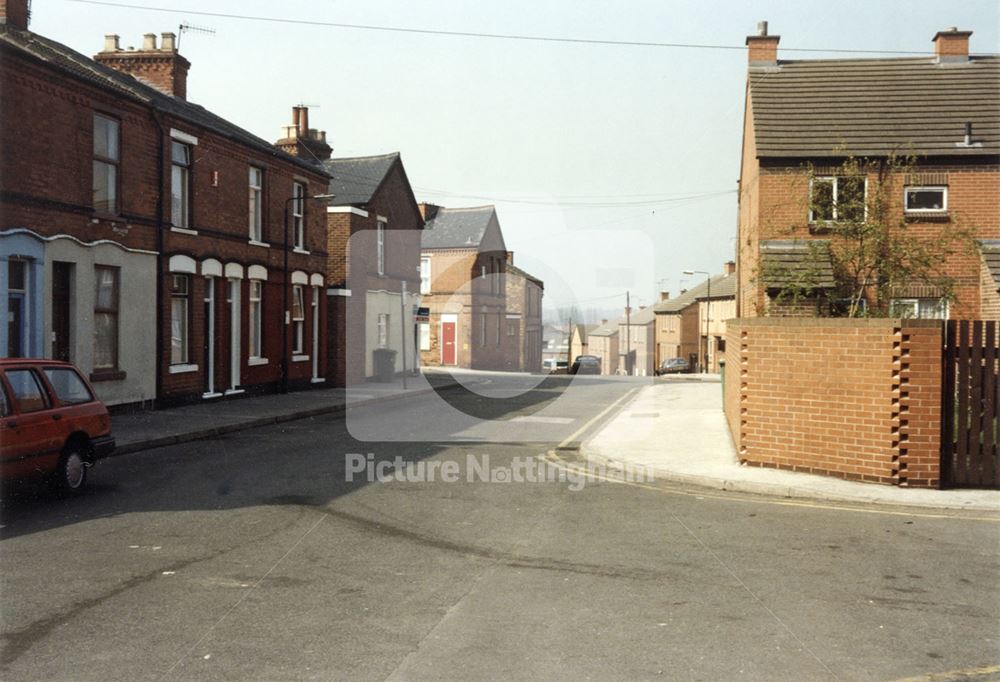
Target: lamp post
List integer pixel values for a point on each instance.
(708, 315)
(286, 315)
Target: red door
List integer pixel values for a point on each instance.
(448, 343)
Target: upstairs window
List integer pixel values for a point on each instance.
(298, 215)
(256, 207)
(180, 184)
(926, 199)
(425, 275)
(835, 199)
(106, 156)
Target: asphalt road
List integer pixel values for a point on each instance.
(251, 556)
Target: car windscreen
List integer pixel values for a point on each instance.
(68, 385)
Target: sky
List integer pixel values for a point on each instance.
(613, 167)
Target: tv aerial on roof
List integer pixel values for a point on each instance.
(191, 28)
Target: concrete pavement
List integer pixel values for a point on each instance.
(679, 430)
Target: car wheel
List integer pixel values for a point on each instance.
(71, 474)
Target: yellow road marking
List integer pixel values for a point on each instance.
(557, 461)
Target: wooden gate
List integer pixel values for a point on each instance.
(969, 438)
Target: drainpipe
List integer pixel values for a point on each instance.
(160, 177)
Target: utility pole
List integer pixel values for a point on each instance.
(402, 326)
(628, 334)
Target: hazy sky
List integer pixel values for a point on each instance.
(543, 130)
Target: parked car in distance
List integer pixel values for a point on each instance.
(586, 364)
(52, 425)
(673, 366)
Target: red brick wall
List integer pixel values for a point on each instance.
(855, 399)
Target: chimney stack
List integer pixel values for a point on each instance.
(664, 295)
(952, 45)
(604, 321)
(298, 139)
(15, 13)
(729, 267)
(162, 68)
(428, 211)
(762, 49)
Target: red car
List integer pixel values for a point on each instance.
(52, 425)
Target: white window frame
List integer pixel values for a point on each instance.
(380, 245)
(180, 325)
(382, 330)
(835, 179)
(298, 216)
(255, 206)
(915, 303)
(183, 221)
(425, 275)
(925, 188)
(299, 320)
(425, 336)
(110, 161)
(255, 328)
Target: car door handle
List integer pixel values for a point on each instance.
(56, 417)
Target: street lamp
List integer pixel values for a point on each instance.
(286, 316)
(708, 314)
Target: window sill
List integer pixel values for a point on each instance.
(302, 251)
(107, 375)
(927, 217)
(254, 242)
(183, 230)
(318, 380)
(183, 369)
(206, 396)
(254, 362)
(233, 391)
(300, 358)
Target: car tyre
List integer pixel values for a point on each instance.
(70, 475)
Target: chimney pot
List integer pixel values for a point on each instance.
(168, 42)
(149, 42)
(762, 28)
(111, 43)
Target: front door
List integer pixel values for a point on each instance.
(448, 343)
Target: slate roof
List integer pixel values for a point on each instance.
(870, 107)
(723, 286)
(76, 65)
(804, 264)
(990, 249)
(456, 228)
(354, 180)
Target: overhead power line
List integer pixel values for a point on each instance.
(477, 34)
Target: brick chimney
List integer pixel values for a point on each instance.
(604, 320)
(301, 140)
(952, 45)
(762, 49)
(664, 295)
(15, 13)
(729, 267)
(163, 68)
(428, 211)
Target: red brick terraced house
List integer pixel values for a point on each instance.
(373, 256)
(143, 237)
(463, 265)
(803, 118)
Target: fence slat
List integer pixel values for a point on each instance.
(976, 468)
(990, 406)
(962, 427)
(948, 406)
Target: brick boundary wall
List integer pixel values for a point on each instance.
(854, 399)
